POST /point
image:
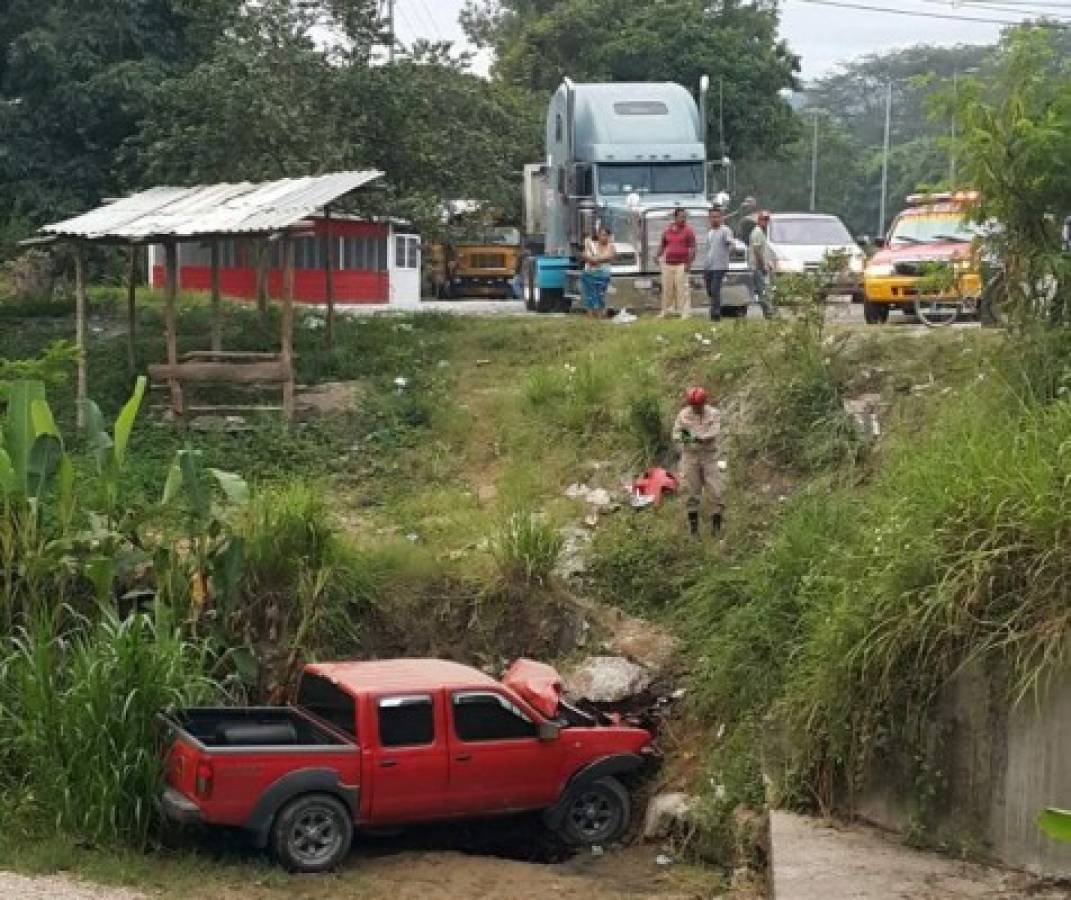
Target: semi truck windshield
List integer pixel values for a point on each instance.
(658, 178)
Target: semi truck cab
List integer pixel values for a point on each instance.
(624, 155)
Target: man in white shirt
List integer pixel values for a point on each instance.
(720, 243)
(761, 259)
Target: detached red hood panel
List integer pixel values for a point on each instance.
(538, 683)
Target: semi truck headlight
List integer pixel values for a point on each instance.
(879, 270)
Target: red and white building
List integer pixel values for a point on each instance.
(376, 262)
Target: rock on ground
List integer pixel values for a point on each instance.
(667, 812)
(608, 679)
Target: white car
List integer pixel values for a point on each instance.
(800, 243)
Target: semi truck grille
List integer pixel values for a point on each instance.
(488, 260)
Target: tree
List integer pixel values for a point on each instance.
(265, 104)
(76, 80)
(1015, 146)
(538, 42)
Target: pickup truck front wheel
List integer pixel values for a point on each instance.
(312, 833)
(598, 813)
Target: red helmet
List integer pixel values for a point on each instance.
(697, 397)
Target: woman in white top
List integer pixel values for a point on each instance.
(598, 260)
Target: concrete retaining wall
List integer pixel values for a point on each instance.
(991, 770)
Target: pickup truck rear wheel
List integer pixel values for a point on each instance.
(598, 813)
(312, 833)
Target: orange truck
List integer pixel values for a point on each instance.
(480, 264)
(931, 259)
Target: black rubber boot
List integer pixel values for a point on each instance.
(715, 524)
(693, 523)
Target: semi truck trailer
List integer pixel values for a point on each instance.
(624, 155)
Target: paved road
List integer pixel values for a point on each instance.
(840, 310)
(812, 859)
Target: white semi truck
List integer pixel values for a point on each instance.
(624, 155)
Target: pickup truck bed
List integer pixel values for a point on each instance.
(254, 727)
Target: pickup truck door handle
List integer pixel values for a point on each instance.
(464, 757)
(388, 763)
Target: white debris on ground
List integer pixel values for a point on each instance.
(667, 813)
(575, 556)
(607, 679)
(59, 888)
(864, 411)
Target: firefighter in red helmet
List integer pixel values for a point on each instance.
(697, 430)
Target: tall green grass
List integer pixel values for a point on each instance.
(78, 731)
(526, 548)
(869, 598)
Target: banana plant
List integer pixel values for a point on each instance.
(1056, 823)
(216, 553)
(32, 459)
(31, 452)
(110, 452)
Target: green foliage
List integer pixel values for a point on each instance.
(1056, 823)
(78, 708)
(798, 419)
(301, 579)
(642, 563)
(537, 45)
(52, 367)
(527, 548)
(1015, 136)
(868, 599)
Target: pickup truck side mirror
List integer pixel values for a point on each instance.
(549, 731)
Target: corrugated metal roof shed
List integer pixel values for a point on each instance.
(215, 209)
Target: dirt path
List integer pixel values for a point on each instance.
(57, 887)
(631, 874)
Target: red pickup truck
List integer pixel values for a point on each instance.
(374, 744)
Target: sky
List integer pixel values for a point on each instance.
(822, 35)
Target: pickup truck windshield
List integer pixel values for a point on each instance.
(927, 229)
(659, 178)
(810, 232)
(329, 702)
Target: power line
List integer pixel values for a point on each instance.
(918, 14)
(1020, 9)
(434, 21)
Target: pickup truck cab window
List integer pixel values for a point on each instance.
(487, 716)
(407, 721)
(328, 702)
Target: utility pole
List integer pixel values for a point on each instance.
(814, 165)
(952, 156)
(885, 160)
(386, 11)
(393, 32)
(721, 115)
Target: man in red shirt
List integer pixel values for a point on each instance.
(676, 255)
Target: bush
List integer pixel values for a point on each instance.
(797, 418)
(78, 723)
(643, 562)
(527, 548)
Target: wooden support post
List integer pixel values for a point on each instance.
(329, 264)
(286, 355)
(263, 265)
(171, 325)
(131, 309)
(80, 331)
(217, 326)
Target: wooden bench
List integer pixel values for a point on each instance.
(228, 367)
